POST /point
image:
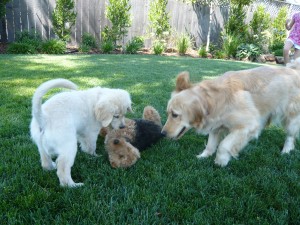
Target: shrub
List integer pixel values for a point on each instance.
(158, 47)
(247, 51)
(88, 42)
(230, 45)
(29, 38)
(261, 28)
(54, 46)
(202, 52)
(107, 46)
(21, 48)
(118, 13)
(220, 54)
(134, 45)
(159, 18)
(183, 43)
(62, 16)
(279, 31)
(278, 52)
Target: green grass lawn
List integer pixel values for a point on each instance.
(168, 185)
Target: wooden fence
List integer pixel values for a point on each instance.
(35, 15)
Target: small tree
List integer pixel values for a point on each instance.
(118, 13)
(279, 30)
(159, 18)
(63, 18)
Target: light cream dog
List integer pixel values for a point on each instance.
(235, 107)
(71, 117)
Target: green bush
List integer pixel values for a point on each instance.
(183, 43)
(202, 52)
(220, 54)
(247, 51)
(107, 46)
(54, 46)
(28, 38)
(21, 48)
(278, 52)
(88, 42)
(279, 30)
(134, 45)
(230, 45)
(158, 47)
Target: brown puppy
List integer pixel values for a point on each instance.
(124, 145)
(235, 107)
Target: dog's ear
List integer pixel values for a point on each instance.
(104, 112)
(183, 81)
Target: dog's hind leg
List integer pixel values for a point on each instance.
(64, 162)
(292, 128)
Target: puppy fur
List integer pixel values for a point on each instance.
(124, 145)
(235, 107)
(70, 117)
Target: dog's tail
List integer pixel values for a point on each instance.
(42, 90)
(294, 65)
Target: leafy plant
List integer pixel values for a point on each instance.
(248, 51)
(26, 43)
(54, 46)
(202, 52)
(159, 18)
(63, 18)
(107, 46)
(88, 42)
(235, 25)
(220, 54)
(279, 30)
(183, 43)
(134, 45)
(158, 47)
(278, 52)
(21, 48)
(260, 28)
(118, 13)
(230, 45)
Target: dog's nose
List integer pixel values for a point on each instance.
(164, 133)
(122, 126)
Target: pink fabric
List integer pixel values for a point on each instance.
(295, 32)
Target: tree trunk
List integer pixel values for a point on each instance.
(211, 10)
(3, 30)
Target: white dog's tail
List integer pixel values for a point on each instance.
(42, 90)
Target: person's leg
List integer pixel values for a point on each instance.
(288, 44)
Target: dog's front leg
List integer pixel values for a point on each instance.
(212, 144)
(231, 145)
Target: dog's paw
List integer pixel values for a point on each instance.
(222, 159)
(204, 154)
(50, 166)
(72, 185)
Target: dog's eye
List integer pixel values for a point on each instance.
(174, 115)
(121, 156)
(117, 116)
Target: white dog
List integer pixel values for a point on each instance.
(71, 117)
(239, 105)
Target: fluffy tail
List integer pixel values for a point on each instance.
(42, 90)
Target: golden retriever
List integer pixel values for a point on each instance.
(70, 117)
(235, 107)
